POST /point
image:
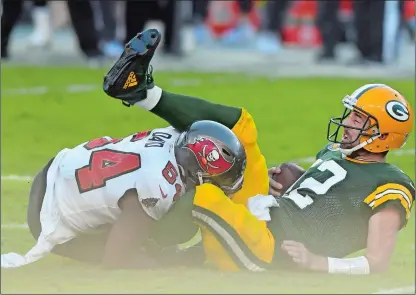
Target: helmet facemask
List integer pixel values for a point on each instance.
(369, 129)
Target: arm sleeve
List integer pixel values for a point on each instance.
(397, 194)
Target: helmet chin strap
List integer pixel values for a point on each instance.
(348, 152)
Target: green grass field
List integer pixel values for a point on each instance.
(291, 116)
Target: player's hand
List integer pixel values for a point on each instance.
(274, 186)
(303, 257)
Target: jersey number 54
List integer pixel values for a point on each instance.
(107, 164)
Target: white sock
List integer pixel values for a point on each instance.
(152, 99)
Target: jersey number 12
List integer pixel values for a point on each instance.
(317, 187)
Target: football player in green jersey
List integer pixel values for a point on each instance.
(351, 193)
(349, 199)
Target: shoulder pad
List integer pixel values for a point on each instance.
(332, 147)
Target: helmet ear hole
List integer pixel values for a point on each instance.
(383, 136)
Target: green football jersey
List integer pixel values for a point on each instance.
(329, 207)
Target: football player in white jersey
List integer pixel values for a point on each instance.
(96, 202)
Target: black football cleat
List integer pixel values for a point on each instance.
(131, 75)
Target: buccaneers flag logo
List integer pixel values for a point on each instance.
(209, 156)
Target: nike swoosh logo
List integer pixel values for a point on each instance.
(162, 193)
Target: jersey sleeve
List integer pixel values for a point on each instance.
(255, 176)
(156, 196)
(397, 194)
(320, 153)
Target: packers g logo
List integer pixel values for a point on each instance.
(397, 111)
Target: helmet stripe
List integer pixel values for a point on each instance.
(360, 91)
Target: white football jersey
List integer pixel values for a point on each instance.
(93, 176)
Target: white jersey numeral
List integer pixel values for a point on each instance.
(317, 187)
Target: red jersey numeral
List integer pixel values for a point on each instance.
(140, 135)
(170, 173)
(104, 165)
(99, 142)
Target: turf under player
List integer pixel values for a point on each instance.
(349, 199)
(98, 201)
(220, 165)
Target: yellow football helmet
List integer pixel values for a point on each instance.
(389, 119)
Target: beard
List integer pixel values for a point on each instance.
(348, 144)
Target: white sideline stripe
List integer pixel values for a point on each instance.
(82, 88)
(398, 153)
(401, 290)
(14, 226)
(17, 177)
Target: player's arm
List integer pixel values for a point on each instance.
(176, 236)
(281, 178)
(382, 235)
(127, 236)
(390, 204)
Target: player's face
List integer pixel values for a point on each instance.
(357, 120)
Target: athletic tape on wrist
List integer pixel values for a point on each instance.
(353, 266)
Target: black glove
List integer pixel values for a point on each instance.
(130, 77)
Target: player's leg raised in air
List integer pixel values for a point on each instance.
(136, 87)
(182, 110)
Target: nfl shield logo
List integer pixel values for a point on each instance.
(333, 147)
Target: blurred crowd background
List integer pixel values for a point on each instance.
(376, 28)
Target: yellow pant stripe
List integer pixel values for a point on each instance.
(229, 239)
